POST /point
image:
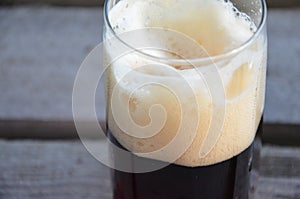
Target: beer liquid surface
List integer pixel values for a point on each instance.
(217, 27)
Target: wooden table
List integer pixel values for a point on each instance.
(64, 169)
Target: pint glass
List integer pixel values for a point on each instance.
(185, 87)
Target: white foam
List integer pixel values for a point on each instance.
(223, 31)
(217, 27)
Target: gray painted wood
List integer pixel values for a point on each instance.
(54, 2)
(43, 47)
(282, 104)
(278, 188)
(271, 3)
(281, 162)
(41, 51)
(64, 169)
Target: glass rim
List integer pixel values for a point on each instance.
(220, 56)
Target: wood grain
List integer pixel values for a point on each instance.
(64, 169)
(271, 3)
(281, 162)
(55, 2)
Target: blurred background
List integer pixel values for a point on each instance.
(42, 44)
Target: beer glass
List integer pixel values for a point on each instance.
(185, 87)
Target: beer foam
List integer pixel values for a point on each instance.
(217, 26)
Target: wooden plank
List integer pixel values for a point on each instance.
(54, 2)
(278, 188)
(37, 81)
(44, 101)
(28, 129)
(48, 95)
(64, 169)
(280, 162)
(60, 170)
(57, 68)
(281, 134)
(285, 135)
(271, 3)
(283, 3)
